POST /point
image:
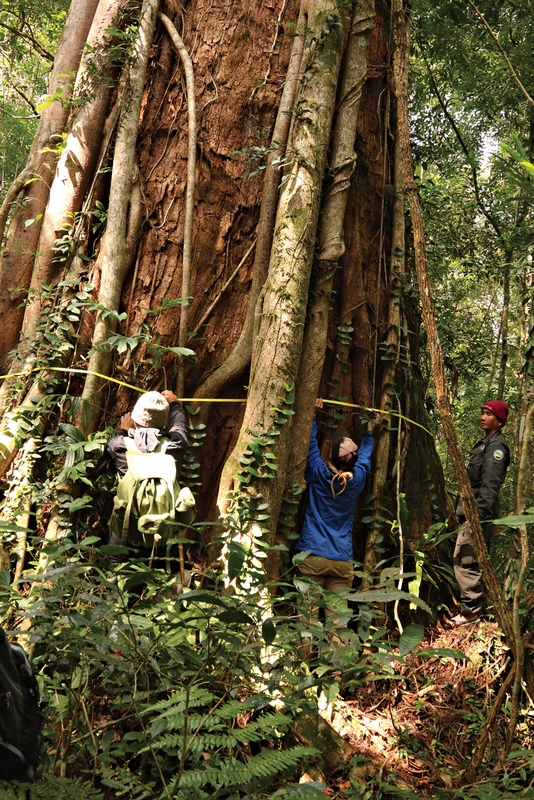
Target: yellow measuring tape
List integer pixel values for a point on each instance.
(200, 399)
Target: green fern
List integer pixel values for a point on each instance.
(230, 773)
(49, 789)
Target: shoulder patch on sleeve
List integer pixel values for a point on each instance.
(498, 455)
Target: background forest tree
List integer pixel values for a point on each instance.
(296, 277)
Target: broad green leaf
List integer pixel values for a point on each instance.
(298, 558)
(236, 559)
(80, 502)
(268, 631)
(441, 652)
(515, 520)
(236, 617)
(72, 431)
(410, 638)
(386, 596)
(10, 526)
(182, 351)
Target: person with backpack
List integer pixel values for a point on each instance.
(20, 730)
(147, 452)
(333, 488)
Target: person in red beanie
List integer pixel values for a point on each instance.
(486, 468)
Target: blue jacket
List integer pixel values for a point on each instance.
(327, 529)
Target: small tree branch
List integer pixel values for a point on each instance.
(464, 147)
(507, 60)
(30, 39)
(27, 100)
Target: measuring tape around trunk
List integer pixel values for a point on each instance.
(202, 399)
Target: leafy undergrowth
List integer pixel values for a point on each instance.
(415, 735)
(154, 692)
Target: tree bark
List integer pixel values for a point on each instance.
(17, 257)
(331, 239)
(238, 360)
(276, 353)
(112, 255)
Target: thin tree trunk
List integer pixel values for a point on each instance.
(494, 360)
(112, 254)
(522, 501)
(471, 772)
(17, 257)
(76, 165)
(402, 35)
(525, 347)
(504, 324)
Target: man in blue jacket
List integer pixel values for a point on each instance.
(333, 489)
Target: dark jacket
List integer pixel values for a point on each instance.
(327, 529)
(178, 434)
(486, 468)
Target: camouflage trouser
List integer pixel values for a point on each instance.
(467, 570)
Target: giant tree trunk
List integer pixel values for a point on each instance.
(341, 319)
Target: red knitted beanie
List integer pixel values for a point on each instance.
(498, 408)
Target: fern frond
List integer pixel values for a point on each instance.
(229, 772)
(198, 696)
(49, 789)
(204, 742)
(300, 791)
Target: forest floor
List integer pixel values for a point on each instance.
(420, 733)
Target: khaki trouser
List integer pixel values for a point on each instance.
(329, 575)
(467, 570)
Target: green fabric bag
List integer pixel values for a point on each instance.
(149, 499)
